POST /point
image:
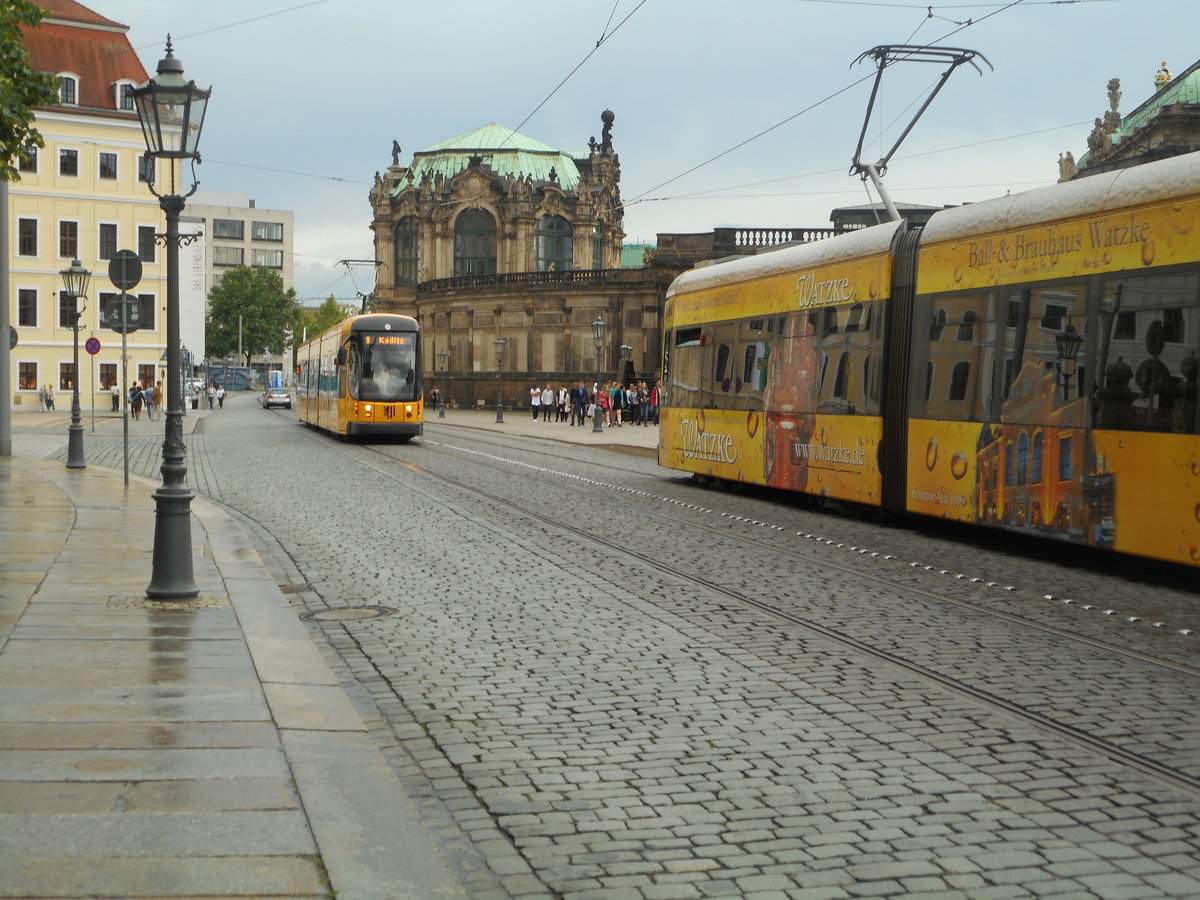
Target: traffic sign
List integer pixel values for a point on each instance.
(125, 269)
(124, 313)
(92, 346)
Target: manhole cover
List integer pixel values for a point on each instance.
(350, 612)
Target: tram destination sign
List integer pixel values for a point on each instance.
(124, 313)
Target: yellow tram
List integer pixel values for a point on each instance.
(362, 378)
(1028, 363)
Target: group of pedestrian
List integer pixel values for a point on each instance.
(216, 392)
(636, 404)
(145, 396)
(46, 398)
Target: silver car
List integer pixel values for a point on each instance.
(275, 397)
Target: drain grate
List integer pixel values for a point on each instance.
(348, 613)
(294, 588)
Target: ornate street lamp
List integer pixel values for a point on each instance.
(1067, 342)
(75, 283)
(598, 337)
(171, 111)
(442, 384)
(499, 342)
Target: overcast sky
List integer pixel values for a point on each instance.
(308, 96)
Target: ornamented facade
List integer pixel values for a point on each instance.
(493, 236)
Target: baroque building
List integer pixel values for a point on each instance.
(492, 236)
(1166, 123)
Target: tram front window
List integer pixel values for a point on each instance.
(388, 368)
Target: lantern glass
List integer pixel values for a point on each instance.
(75, 279)
(598, 329)
(171, 111)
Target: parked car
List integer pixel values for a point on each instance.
(275, 397)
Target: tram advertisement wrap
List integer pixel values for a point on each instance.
(1120, 241)
(837, 459)
(836, 284)
(1151, 510)
(941, 468)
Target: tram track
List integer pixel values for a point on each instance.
(1102, 745)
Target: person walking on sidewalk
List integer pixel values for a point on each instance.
(116, 398)
(212, 395)
(221, 397)
(535, 400)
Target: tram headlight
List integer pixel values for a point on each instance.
(408, 410)
(367, 408)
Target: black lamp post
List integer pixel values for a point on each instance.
(1067, 342)
(75, 282)
(598, 337)
(499, 342)
(442, 384)
(171, 111)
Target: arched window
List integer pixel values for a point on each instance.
(552, 244)
(1035, 475)
(1009, 466)
(1022, 457)
(67, 90)
(405, 247)
(958, 381)
(475, 243)
(598, 246)
(840, 381)
(966, 328)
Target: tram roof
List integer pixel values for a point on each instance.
(851, 245)
(1156, 181)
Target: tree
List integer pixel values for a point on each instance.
(267, 312)
(312, 322)
(21, 88)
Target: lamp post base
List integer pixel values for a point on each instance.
(499, 412)
(598, 419)
(75, 458)
(172, 577)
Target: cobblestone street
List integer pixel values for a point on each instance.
(570, 680)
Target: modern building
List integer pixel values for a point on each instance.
(234, 231)
(83, 196)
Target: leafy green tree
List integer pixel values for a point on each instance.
(267, 310)
(21, 88)
(312, 322)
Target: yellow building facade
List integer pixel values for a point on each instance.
(84, 196)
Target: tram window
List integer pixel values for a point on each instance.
(855, 319)
(1148, 362)
(722, 362)
(938, 324)
(831, 320)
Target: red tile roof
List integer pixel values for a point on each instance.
(73, 38)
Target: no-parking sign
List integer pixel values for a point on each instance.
(92, 346)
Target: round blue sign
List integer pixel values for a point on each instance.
(92, 346)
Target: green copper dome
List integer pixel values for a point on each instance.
(505, 151)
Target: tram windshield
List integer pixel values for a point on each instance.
(382, 366)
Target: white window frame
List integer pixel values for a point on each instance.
(117, 85)
(58, 239)
(37, 229)
(116, 242)
(116, 176)
(72, 77)
(78, 162)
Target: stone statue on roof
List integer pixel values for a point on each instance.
(395, 153)
(607, 117)
(1066, 166)
(1163, 78)
(1096, 138)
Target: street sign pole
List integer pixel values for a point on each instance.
(124, 271)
